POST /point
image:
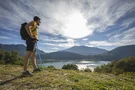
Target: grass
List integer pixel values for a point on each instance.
(63, 80)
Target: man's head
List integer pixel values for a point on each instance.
(37, 20)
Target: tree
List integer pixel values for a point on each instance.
(118, 67)
(14, 57)
(70, 67)
(7, 57)
(1, 54)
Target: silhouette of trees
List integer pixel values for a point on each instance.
(7, 57)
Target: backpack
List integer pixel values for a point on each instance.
(23, 31)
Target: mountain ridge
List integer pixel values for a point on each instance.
(20, 48)
(85, 50)
(115, 54)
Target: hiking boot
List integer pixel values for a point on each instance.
(37, 70)
(27, 73)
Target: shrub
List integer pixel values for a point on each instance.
(7, 57)
(51, 67)
(2, 62)
(70, 67)
(127, 64)
(87, 70)
(117, 71)
(118, 67)
(97, 69)
(105, 68)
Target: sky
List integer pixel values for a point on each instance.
(105, 24)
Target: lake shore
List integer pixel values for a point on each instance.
(82, 64)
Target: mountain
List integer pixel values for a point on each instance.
(116, 54)
(84, 50)
(63, 55)
(20, 48)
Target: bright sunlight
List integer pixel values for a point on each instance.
(75, 26)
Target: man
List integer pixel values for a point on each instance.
(31, 41)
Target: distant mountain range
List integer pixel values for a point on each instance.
(78, 52)
(64, 55)
(116, 54)
(84, 50)
(20, 48)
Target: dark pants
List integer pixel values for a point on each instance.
(31, 45)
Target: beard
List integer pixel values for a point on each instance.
(38, 24)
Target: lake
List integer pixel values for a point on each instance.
(82, 64)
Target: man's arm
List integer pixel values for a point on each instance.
(28, 29)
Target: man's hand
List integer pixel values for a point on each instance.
(32, 37)
(35, 40)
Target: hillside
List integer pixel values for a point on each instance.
(84, 50)
(116, 54)
(21, 49)
(63, 55)
(63, 80)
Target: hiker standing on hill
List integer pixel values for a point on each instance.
(31, 41)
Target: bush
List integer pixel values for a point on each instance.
(2, 62)
(87, 70)
(1, 54)
(51, 67)
(105, 68)
(117, 71)
(127, 64)
(70, 67)
(118, 67)
(97, 69)
(7, 57)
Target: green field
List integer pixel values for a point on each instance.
(63, 80)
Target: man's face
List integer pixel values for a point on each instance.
(38, 22)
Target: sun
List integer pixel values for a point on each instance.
(75, 26)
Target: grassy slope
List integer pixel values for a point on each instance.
(64, 80)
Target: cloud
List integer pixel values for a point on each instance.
(63, 22)
(126, 35)
(13, 15)
(85, 39)
(70, 43)
(59, 43)
(4, 37)
(124, 26)
(61, 17)
(55, 45)
(105, 14)
(100, 43)
(49, 44)
(107, 43)
(120, 39)
(56, 42)
(55, 48)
